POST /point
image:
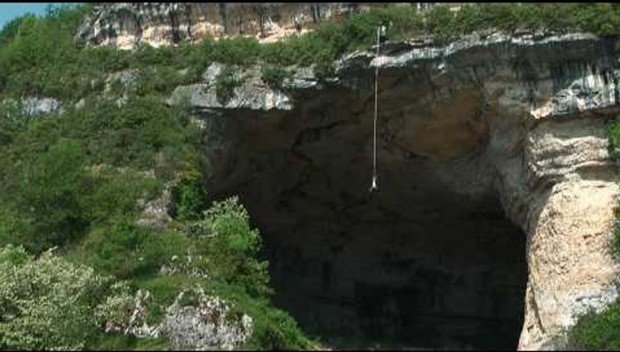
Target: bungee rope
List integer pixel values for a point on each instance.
(374, 186)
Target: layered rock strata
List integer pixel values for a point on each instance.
(491, 126)
(125, 25)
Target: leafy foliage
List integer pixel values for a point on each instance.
(126, 250)
(613, 133)
(46, 194)
(225, 84)
(596, 331)
(189, 197)
(66, 174)
(46, 303)
(274, 75)
(224, 237)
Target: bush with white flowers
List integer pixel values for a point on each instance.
(46, 303)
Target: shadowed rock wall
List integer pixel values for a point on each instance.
(480, 141)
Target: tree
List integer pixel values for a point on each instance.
(50, 185)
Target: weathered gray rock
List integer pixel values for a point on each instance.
(302, 78)
(80, 104)
(124, 312)
(122, 81)
(126, 25)
(212, 72)
(252, 93)
(156, 213)
(33, 106)
(205, 325)
(194, 321)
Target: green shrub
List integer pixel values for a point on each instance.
(613, 133)
(115, 250)
(274, 329)
(234, 51)
(112, 195)
(225, 84)
(189, 197)
(224, 237)
(157, 249)
(126, 250)
(596, 331)
(45, 192)
(438, 22)
(111, 342)
(46, 303)
(274, 75)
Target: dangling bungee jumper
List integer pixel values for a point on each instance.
(381, 36)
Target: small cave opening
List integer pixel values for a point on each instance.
(430, 260)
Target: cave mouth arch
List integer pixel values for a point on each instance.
(428, 261)
(402, 268)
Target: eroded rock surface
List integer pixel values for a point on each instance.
(491, 150)
(125, 25)
(194, 321)
(250, 93)
(206, 325)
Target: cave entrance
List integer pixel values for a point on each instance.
(452, 278)
(428, 261)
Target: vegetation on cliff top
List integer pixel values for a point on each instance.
(38, 56)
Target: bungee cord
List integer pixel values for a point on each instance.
(374, 186)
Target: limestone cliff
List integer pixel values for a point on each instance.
(489, 126)
(125, 25)
(496, 199)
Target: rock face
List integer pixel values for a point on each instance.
(206, 326)
(32, 106)
(496, 191)
(194, 321)
(156, 213)
(38, 106)
(125, 25)
(252, 92)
